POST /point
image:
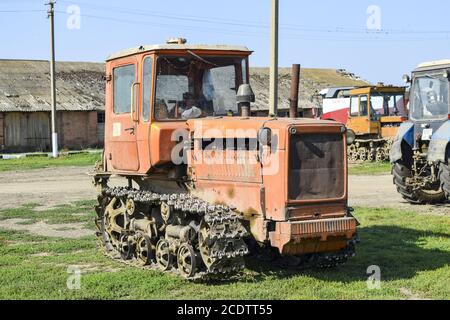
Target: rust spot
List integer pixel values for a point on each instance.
(231, 193)
(251, 212)
(219, 203)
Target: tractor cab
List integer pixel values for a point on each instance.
(421, 151)
(377, 111)
(153, 90)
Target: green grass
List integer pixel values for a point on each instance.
(81, 159)
(412, 250)
(369, 168)
(80, 211)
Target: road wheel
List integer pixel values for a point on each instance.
(421, 196)
(363, 154)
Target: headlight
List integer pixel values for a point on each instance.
(406, 78)
(351, 136)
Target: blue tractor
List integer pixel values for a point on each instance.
(420, 154)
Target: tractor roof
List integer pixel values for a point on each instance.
(377, 88)
(158, 47)
(430, 65)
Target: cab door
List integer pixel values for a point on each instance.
(374, 121)
(359, 114)
(144, 116)
(122, 124)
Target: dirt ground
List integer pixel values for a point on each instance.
(54, 186)
(66, 230)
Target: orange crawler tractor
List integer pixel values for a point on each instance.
(205, 184)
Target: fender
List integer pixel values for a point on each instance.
(438, 144)
(406, 133)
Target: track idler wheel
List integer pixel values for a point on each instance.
(380, 155)
(372, 155)
(126, 247)
(363, 154)
(351, 150)
(355, 156)
(187, 260)
(164, 257)
(145, 250)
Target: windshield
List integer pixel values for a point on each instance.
(197, 86)
(429, 97)
(387, 104)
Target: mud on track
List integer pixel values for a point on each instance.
(61, 185)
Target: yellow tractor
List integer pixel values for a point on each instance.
(376, 113)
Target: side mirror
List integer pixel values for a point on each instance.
(446, 74)
(406, 78)
(351, 136)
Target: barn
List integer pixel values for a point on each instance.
(25, 105)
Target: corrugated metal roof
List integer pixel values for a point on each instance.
(25, 86)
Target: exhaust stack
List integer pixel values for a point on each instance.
(293, 97)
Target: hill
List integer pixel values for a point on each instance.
(312, 80)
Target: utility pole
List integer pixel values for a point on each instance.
(273, 99)
(51, 16)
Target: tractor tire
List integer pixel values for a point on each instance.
(422, 196)
(444, 177)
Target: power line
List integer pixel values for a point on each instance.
(20, 11)
(259, 25)
(238, 23)
(297, 32)
(157, 24)
(294, 36)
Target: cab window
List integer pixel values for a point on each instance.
(384, 104)
(147, 78)
(354, 106)
(363, 106)
(124, 78)
(196, 86)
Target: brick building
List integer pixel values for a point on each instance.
(25, 118)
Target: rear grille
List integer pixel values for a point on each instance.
(316, 166)
(324, 226)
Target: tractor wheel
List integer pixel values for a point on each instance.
(444, 177)
(421, 196)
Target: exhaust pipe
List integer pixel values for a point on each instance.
(293, 97)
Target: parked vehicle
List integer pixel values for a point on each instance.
(420, 153)
(374, 113)
(280, 183)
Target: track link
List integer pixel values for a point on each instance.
(211, 236)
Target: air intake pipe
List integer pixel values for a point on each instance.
(244, 98)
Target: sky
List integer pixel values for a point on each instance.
(379, 40)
